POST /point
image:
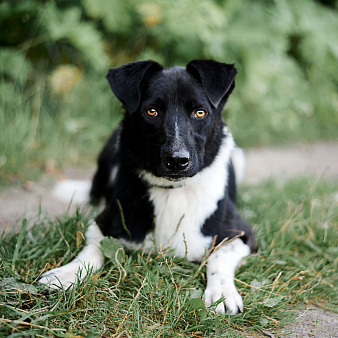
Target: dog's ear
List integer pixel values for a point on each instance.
(218, 79)
(126, 81)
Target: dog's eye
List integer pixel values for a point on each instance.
(200, 113)
(152, 112)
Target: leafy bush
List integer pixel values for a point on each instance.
(286, 53)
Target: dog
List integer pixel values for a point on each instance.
(167, 176)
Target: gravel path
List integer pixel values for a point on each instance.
(318, 160)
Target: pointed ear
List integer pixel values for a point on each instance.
(126, 81)
(218, 79)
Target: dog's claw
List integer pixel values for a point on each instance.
(232, 303)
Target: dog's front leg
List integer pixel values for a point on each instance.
(89, 259)
(221, 268)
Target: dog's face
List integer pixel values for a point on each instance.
(173, 114)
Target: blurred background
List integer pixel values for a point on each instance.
(57, 110)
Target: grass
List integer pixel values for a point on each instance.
(137, 295)
(42, 129)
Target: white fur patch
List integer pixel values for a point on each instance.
(72, 191)
(239, 163)
(181, 212)
(89, 260)
(221, 268)
(163, 182)
(113, 174)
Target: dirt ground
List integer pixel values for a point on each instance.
(319, 160)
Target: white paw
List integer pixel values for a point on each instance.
(233, 301)
(64, 277)
(89, 260)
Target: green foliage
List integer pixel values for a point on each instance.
(14, 66)
(68, 24)
(286, 53)
(138, 294)
(111, 247)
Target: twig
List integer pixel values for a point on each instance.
(223, 242)
(124, 225)
(172, 277)
(163, 321)
(8, 321)
(258, 288)
(267, 333)
(131, 305)
(120, 267)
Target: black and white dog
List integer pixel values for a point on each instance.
(167, 176)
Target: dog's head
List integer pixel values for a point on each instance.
(173, 126)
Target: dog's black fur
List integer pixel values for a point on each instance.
(167, 178)
(174, 145)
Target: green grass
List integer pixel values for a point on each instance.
(40, 128)
(151, 296)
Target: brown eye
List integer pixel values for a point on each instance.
(152, 112)
(200, 113)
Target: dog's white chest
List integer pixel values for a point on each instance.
(179, 217)
(181, 212)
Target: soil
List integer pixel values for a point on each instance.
(312, 322)
(309, 322)
(319, 160)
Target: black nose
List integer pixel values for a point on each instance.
(178, 160)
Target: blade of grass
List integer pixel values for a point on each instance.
(19, 242)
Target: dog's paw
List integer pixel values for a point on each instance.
(64, 277)
(232, 303)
